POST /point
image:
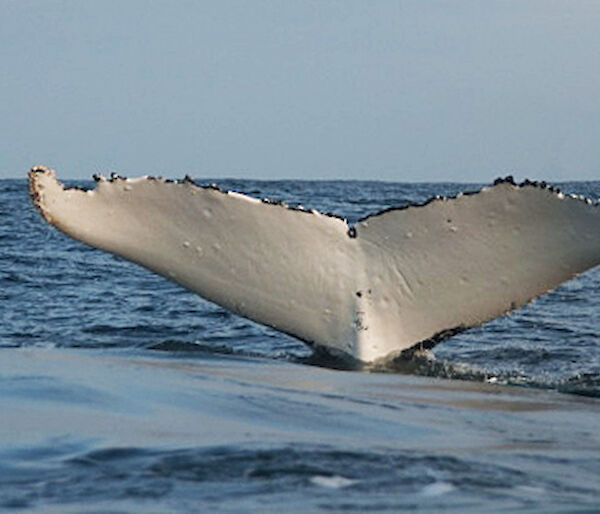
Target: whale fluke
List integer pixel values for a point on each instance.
(396, 280)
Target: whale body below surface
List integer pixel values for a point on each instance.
(396, 281)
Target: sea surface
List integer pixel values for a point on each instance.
(121, 392)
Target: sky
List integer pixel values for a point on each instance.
(417, 90)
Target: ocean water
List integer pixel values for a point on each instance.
(121, 392)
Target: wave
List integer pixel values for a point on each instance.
(248, 477)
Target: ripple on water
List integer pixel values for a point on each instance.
(297, 477)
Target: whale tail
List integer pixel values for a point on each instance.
(395, 281)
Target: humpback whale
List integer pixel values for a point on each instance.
(398, 280)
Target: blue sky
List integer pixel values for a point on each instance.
(403, 91)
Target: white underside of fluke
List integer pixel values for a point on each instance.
(396, 279)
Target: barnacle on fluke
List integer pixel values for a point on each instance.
(499, 181)
(430, 270)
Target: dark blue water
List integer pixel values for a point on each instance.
(121, 392)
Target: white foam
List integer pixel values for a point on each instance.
(332, 482)
(437, 489)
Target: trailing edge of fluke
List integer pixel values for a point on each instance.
(402, 279)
